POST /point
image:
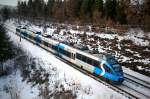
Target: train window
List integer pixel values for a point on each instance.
(24, 34)
(96, 63)
(66, 53)
(38, 39)
(45, 43)
(30, 36)
(49, 45)
(107, 69)
(54, 47)
(69, 54)
(21, 33)
(18, 30)
(89, 61)
(84, 58)
(117, 69)
(61, 50)
(78, 56)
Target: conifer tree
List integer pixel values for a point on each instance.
(110, 9)
(6, 49)
(86, 9)
(6, 13)
(121, 16)
(50, 5)
(30, 8)
(77, 7)
(99, 5)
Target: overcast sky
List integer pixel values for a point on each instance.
(9, 2)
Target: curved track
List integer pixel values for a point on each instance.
(132, 87)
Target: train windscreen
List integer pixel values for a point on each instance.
(115, 65)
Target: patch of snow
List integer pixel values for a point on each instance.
(76, 32)
(138, 55)
(50, 31)
(140, 68)
(145, 61)
(107, 36)
(119, 47)
(120, 38)
(129, 50)
(149, 35)
(123, 59)
(90, 33)
(147, 50)
(136, 36)
(100, 49)
(36, 28)
(12, 87)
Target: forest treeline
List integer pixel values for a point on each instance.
(93, 11)
(96, 12)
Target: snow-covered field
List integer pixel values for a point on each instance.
(61, 78)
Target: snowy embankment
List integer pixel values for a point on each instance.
(12, 87)
(67, 76)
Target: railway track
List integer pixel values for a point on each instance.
(135, 89)
(125, 89)
(136, 86)
(137, 80)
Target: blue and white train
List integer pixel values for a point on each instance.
(102, 66)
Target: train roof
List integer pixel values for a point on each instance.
(75, 50)
(86, 52)
(97, 57)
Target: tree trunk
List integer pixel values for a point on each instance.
(1, 68)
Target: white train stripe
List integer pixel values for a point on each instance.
(102, 67)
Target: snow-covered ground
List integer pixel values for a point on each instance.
(132, 51)
(12, 87)
(83, 86)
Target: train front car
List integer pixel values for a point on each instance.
(113, 71)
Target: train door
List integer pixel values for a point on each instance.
(73, 56)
